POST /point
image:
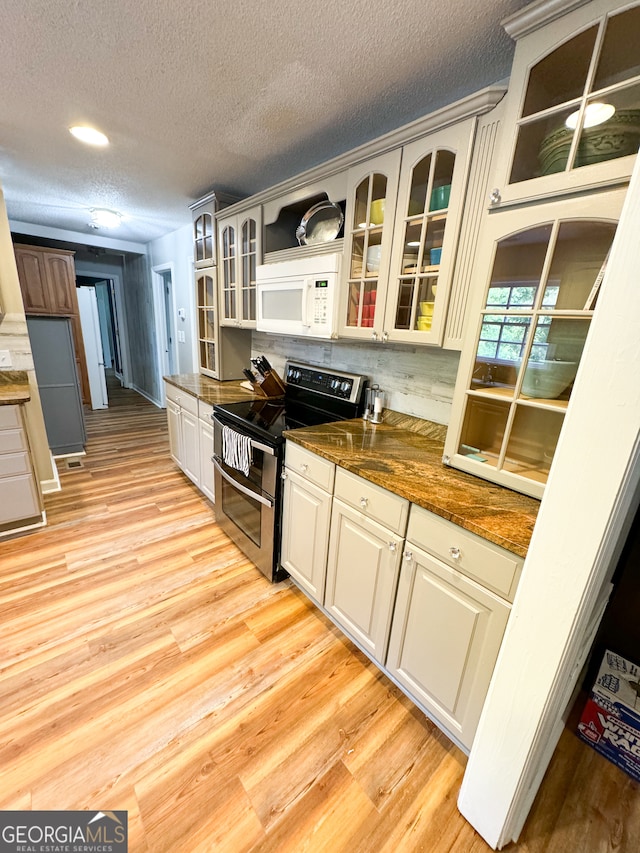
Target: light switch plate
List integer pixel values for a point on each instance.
(5, 358)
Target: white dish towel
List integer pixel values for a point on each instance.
(236, 450)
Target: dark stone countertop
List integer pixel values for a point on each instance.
(14, 387)
(404, 455)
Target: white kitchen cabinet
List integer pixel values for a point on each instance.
(565, 132)
(182, 416)
(364, 560)
(20, 502)
(543, 265)
(306, 516)
(444, 642)
(205, 444)
(223, 353)
(240, 247)
(404, 210)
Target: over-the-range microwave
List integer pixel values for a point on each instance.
(299, 297)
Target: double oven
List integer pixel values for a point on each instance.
(249, 454)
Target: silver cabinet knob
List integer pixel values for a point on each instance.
(283, 476)
(454, 553)
(304, 467)
(385, 337)
(364, 502)
(393, 547)
(495, 197)
(408, 555)
(374, 336)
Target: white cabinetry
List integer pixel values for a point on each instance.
(240, 244)
(447, 628)
(205, 441)
(364, 560)
(308, 486)
(182, 415)
(20, 506)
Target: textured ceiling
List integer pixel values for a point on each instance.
(200, 94)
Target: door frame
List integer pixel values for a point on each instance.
(160, 316)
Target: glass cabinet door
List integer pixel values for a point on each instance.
(229, 304)
(368, 232)
(203, 240)
(579, 105)
(542, 291)
(426, 229)
(207, 321)
(248, 261)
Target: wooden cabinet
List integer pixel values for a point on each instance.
(522, 355)
(48, 283)
(364, 560)
(240, 247)
(569, 131)
(306, 516)
(20, 502)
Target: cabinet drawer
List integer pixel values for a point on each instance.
(182, 398)
(488, 564)
(9, 417)
(14, 463)
(205, 411)
(19, 499)
(314, 468)
(13, 441)
(373, 501)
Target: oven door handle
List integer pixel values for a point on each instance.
(239, 486)
(258, 445)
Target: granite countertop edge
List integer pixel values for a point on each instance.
(404, 456)
(14, 387)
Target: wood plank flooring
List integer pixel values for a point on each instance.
(146, 665)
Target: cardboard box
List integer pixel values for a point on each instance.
(610, 721)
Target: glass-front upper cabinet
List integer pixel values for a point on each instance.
(517, 372)
(204, 231)
(427, 225)
(573, 116)
(240, 248)
(207, 320)
(371, 204)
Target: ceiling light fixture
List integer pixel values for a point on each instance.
(101, 218)
(89, 135)
(594, 114)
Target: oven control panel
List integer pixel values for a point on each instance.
(333, 383)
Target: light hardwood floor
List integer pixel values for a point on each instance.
(146, 665)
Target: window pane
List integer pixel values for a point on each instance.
(532, 442)
(560, 76)
(619, 135)
(578, 256)
(518, 262)
(553, 363)
(483, 429)
(543, 146)
(620, 57)
(419, 185)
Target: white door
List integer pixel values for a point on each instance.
(88, 305)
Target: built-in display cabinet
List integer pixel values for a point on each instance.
(545, 236)
(572, 116)
(404, 210)
(222, 353)
(240, 248)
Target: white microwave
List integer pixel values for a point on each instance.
(299, 297)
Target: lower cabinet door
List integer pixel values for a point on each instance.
(173, 423)
(206, 459)
(305, 533)
(445, 638)
(190, 446)
(362, 575)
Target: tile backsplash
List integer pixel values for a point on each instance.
(418, 380)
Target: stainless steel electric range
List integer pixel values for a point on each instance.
(249, 454)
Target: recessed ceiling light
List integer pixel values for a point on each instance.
(101, 218)
(89, 135)
(594, 114)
